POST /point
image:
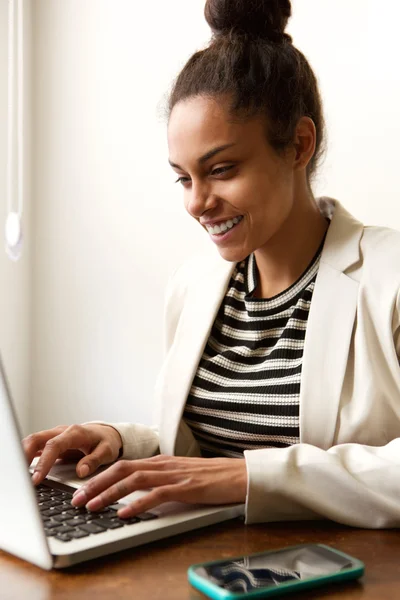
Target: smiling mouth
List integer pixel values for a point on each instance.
(224, 226)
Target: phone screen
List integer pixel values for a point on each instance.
(272, 569)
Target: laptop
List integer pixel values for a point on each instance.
(39, 525)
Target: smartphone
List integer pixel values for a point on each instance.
(274, 573)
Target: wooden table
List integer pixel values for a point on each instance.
(157, 571)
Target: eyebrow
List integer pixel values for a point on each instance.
(206, 156)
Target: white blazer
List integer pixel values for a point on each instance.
(347, 464)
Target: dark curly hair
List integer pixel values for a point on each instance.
(252, 61)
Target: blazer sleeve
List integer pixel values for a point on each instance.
(350, 483)
(138, 441)
(354, 484)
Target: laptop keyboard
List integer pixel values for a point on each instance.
(65, 523)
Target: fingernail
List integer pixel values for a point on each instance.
(35, 477)
(94, 504)
(80, 498)
(83, 471)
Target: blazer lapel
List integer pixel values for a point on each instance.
(329, 330)
(198, 315)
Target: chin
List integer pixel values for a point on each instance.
(234, 255)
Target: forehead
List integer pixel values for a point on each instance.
(198, 116)
(199, 123)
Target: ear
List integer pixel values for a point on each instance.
(304, 142)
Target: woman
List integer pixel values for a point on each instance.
(281, 383)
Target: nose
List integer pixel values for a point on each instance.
(199, 199)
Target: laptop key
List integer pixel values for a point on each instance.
(129, 521)
(62, 517)
(51, 524)
(44, 503)
(54, 504)
(65, 496)
(51, 512)
(72, 513)
(78, 511)
(78, 533)
(107, 523)
(50, 532)
(146, 516)
(107, 514)
(76, 521)
(63, 529)
(92, 528)
(63, 537)
(45, 492)
(86, 514)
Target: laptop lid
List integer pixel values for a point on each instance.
(21, 529)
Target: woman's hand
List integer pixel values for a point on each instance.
(97, 444)
(183, 479)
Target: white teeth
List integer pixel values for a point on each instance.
(222, 227)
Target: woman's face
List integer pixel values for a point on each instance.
(234, 183)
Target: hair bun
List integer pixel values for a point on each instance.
(262, 18)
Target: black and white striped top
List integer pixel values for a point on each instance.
(245, 394)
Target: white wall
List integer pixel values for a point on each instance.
(353, 47)
(109, 226)
(109, 223)
(15, 278)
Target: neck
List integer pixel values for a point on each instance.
(289, 252)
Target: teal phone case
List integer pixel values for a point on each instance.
(218, 593)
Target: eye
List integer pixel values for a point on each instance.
(182, 180)
(221, 170)
(218, 171)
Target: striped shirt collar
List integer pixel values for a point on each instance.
(251, 281)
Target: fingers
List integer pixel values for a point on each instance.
(158, 496)
(99, 443)
(101, 482)
(137, 481)
(34, 443)
(118, 481)
(101, 455)
(121, 470)
(73, 437)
